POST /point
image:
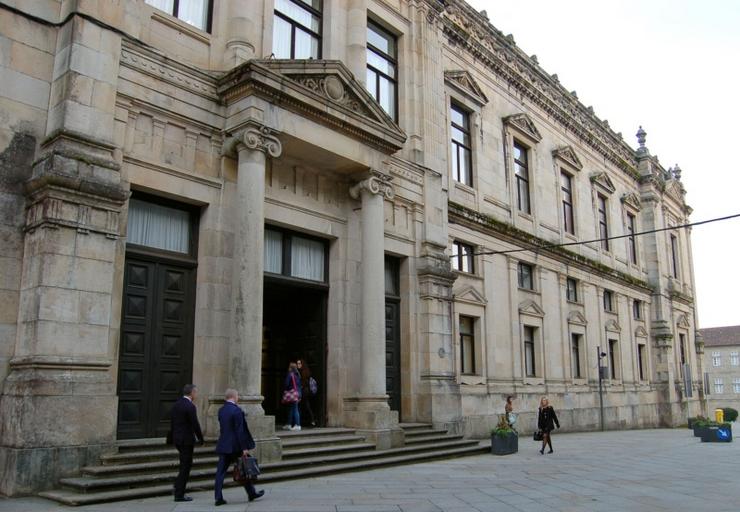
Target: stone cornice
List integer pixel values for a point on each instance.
(323, 91)
(464, 216)
(471, 31)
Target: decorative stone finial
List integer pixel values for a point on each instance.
(574, 94)
(641, 136)
(484, 14)
(534, 59)
(677, 173)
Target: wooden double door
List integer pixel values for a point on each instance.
(156, 349)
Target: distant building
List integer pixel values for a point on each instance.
(722, 364)
(205, 190)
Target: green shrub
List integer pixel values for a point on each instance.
(730, 414)
(503, 428)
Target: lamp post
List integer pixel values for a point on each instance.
(599, 358)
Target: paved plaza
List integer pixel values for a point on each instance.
(649, 470)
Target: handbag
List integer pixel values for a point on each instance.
(313, 386)
(291, 396)
(246, 469)
(538, 435)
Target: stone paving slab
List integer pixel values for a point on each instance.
(624, 471)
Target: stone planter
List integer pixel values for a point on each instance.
(504, 445)
(698, 431)
(717, 435)
(691, 423)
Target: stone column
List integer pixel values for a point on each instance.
(369, 410)
(357, 39)
(253, 144)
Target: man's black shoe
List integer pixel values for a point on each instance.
(220, 502)
(256, 495)
(184, 498)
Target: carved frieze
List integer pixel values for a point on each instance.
(332, 88)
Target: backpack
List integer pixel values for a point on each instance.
(313, 386)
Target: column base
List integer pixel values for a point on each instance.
(373, 419)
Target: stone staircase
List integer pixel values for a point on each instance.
(147, 467)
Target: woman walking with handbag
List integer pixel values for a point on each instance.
(546, 422)
(292, 397)
(306, 391)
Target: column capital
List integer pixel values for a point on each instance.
(377, 183)
(254, 136)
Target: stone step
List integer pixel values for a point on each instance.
(199, 482)
(291, 453)
(433, 438)
(421, 432)
(123, 471)
(410, 427)
(317, 441)
(313, 432)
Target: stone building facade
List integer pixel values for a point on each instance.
(204, 190)
(722, 366)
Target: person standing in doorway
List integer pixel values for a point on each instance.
(292, 397)
(306, 392)
(546, 422)
(234, 441)
(184, 432)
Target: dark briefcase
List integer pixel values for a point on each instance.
(246, 469)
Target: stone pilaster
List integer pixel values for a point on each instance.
(253, 144)
(357, 38)
(369, 411)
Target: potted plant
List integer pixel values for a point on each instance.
(692, 421)
(730, 414)
(717, 433)
(504, 439)
(700, 425)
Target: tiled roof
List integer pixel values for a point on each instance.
(721, 336)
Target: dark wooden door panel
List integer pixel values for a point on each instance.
(393, 354)
(156, 350)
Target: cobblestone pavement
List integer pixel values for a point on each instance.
(648, 470)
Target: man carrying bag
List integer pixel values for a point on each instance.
(234, 442)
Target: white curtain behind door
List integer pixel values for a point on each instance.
(158, 226)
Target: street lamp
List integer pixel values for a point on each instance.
(600, 356)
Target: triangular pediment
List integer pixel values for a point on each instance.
(569, 156)
(470, 295)
(603, 181)
(675, 190)
(576, 317)
(683, 322)
(531, 308)
(463, 82)
(613, 326)
(640, 332)
(324, 91)
(524, 124)
(632, 200)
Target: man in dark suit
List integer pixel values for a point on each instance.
(184, 431)
(234, 441)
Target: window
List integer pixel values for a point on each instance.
(575, 350)
(157, 226)
(467, 344)
(719, 386)
(381, 68)
(682, 349)
(734, 359)
(566, 186)
(608, 300)
(525, 276)
(632, 242)
(603, 222)
(192, 12)
(637, 309)
(521, 171)
(641, 361)
(529, 359)
(462, 257)
(736, 385)
(716, 359)
(571, 289)
(460, 129)
(613, 359)
(674, 256)
(296, 256)
(296, 33)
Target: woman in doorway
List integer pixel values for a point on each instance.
(292, 397)
(306, 393)
(546, 422)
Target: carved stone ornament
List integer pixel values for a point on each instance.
(463, 81)
(378, 184)
(254, 136)
(569, 156)
(523, 123)
(631, 200)
(603, 181)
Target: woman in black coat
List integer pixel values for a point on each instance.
(546, 422)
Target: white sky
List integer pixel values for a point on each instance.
(674, 68)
